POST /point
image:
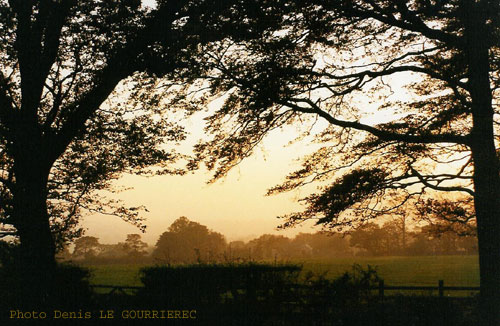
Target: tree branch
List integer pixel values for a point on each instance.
(424, 181)
(381, 134)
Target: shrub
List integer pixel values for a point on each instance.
(239, 294)
(66, 287)
(342, 299)
(218, 283)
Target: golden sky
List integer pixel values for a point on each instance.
(235, 206)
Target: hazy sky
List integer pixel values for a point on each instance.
(235, 206)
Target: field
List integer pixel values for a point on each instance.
(415, 271)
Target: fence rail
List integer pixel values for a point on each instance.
(440, 288)
(116, 288)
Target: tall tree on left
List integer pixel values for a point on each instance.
(65, 129)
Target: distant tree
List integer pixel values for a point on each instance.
(112, 253)
(442, 241)
(375, 240)
(401, 220)
(86, 247)
(321, 245)
(237, 251)
(188, 242)
(269, 246)
(134, 246)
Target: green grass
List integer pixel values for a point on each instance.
(413, 271)
(124, 275)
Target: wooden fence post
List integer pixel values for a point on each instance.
(381, 289)
(441, 288)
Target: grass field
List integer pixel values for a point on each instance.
(417, 271)
(426, 270)
(125, 275)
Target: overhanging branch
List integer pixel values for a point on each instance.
(426, 183)
(381, 134)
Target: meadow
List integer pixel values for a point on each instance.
(413, 271)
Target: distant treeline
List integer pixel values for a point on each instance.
(186, 241)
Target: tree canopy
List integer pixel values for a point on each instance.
(188, 242)
(81, 104)
(400, 94)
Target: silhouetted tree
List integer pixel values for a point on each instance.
(335, 61)
(80, 104)
(86, 248)
(187, 242)
(449, 215)
(269, 246)
(134, 246)
(321, 245)
(376, 240)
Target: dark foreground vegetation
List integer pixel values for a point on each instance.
(226, 294)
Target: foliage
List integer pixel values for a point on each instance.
(60, 62)
(270, 246)
(188, 242)
(395, 270)
(346, 295)
(449, 216)
(67, 288)
(88, 250)
(344, 299)
(134, 246)
(86, 247)
(82, 103)
(372, 240)
(305, 70)
(375, 240)
(210, 284)
(405, 88)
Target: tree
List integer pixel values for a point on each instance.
(322, 244)
(376, 240)
(270, 246)
(60, 61)
(86, 248)
(113, 252)
(81, 104)
(188, 242)
(400, 224)
(449, 216)
(134, 246)
(339, 62)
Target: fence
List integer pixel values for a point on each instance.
(117, 289)
(440, 288)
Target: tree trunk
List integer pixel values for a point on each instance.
(487, 189)
(37, 245)
(35, 264)
(486, 165)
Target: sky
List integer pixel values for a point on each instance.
(235, 206)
